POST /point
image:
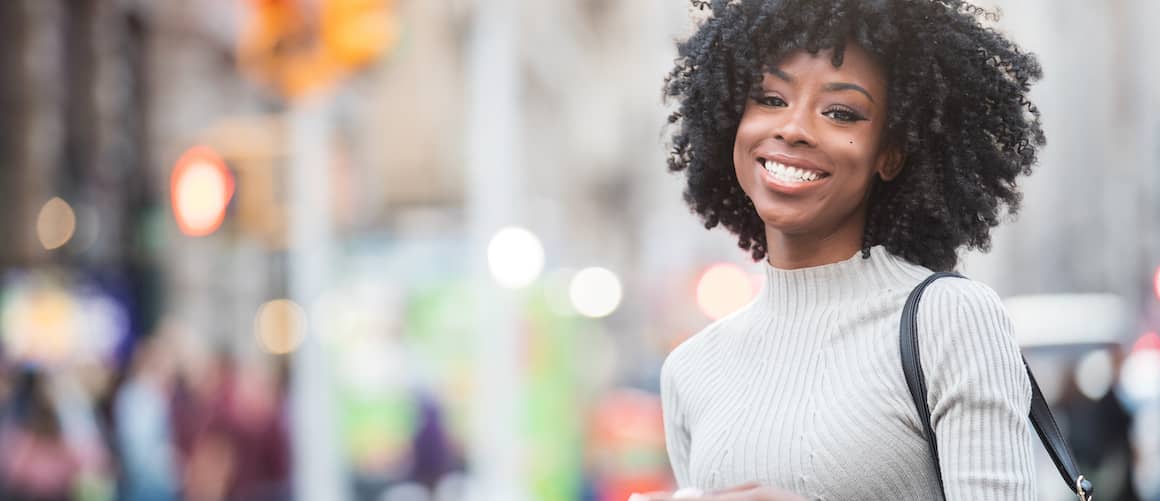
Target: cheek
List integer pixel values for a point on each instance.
(858, 159)
(858, 152)
(742, 143)
(745, 176)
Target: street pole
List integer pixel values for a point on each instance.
(492, 187)
(318, 468)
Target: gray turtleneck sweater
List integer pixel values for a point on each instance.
(803, 390)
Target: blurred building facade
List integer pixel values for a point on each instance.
(86, 76)
(76, 125)
(1091, 209)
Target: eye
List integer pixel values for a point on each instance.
(774, 101)
(844, 114)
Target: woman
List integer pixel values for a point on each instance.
(856, 146)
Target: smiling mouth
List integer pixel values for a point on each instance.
(789, 174)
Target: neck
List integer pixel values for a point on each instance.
(850, 279)
(793, 251)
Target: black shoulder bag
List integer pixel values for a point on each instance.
(1041, 416)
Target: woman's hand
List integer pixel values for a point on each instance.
(745, 492)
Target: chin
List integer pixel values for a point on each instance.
(785, 221)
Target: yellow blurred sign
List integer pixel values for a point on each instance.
(356, 32)
(300, 47)
(255, 146)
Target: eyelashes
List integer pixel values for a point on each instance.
(839, 113)
(844, 114)
(774, 101)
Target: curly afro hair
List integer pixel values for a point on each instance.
(958, 110)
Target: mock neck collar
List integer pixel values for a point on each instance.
(851, 278)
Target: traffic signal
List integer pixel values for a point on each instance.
(357, 32)
(201, 187)
(299, 49)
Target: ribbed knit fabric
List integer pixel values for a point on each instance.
(803, 389)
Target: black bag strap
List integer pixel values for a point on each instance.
(1040, 414)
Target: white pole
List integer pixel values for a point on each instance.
(493, 191)
(318, 469)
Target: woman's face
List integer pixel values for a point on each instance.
(809, 146)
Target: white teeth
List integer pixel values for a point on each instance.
(790, 174)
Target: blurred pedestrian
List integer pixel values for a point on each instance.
(255, 424)
(433, 453)
(1097, 427)
(150, 469)
(38, 462)
(235, 433)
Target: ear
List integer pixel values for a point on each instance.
(890, 162)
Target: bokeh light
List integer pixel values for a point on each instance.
(280, 326)
(595, 292)
(1140, 375)
(515, 257)
(1095, 373)
(1149, 341)
(40, 325)
(1156, 283)
(56, 223)
(201, 188)
(723, 288)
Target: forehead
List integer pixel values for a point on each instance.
(858, 66)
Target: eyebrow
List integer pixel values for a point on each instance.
(781, 74)
(830, 87)
(840, 86)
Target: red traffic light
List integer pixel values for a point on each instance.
(201, 187)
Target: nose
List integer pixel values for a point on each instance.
(796, 128)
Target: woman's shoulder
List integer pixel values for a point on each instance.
(968, 343)
(962, 312)
(715, 334)
(962, 293)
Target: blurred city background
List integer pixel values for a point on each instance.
(419, 250)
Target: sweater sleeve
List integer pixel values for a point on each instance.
(978, 392)
(677, 438)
